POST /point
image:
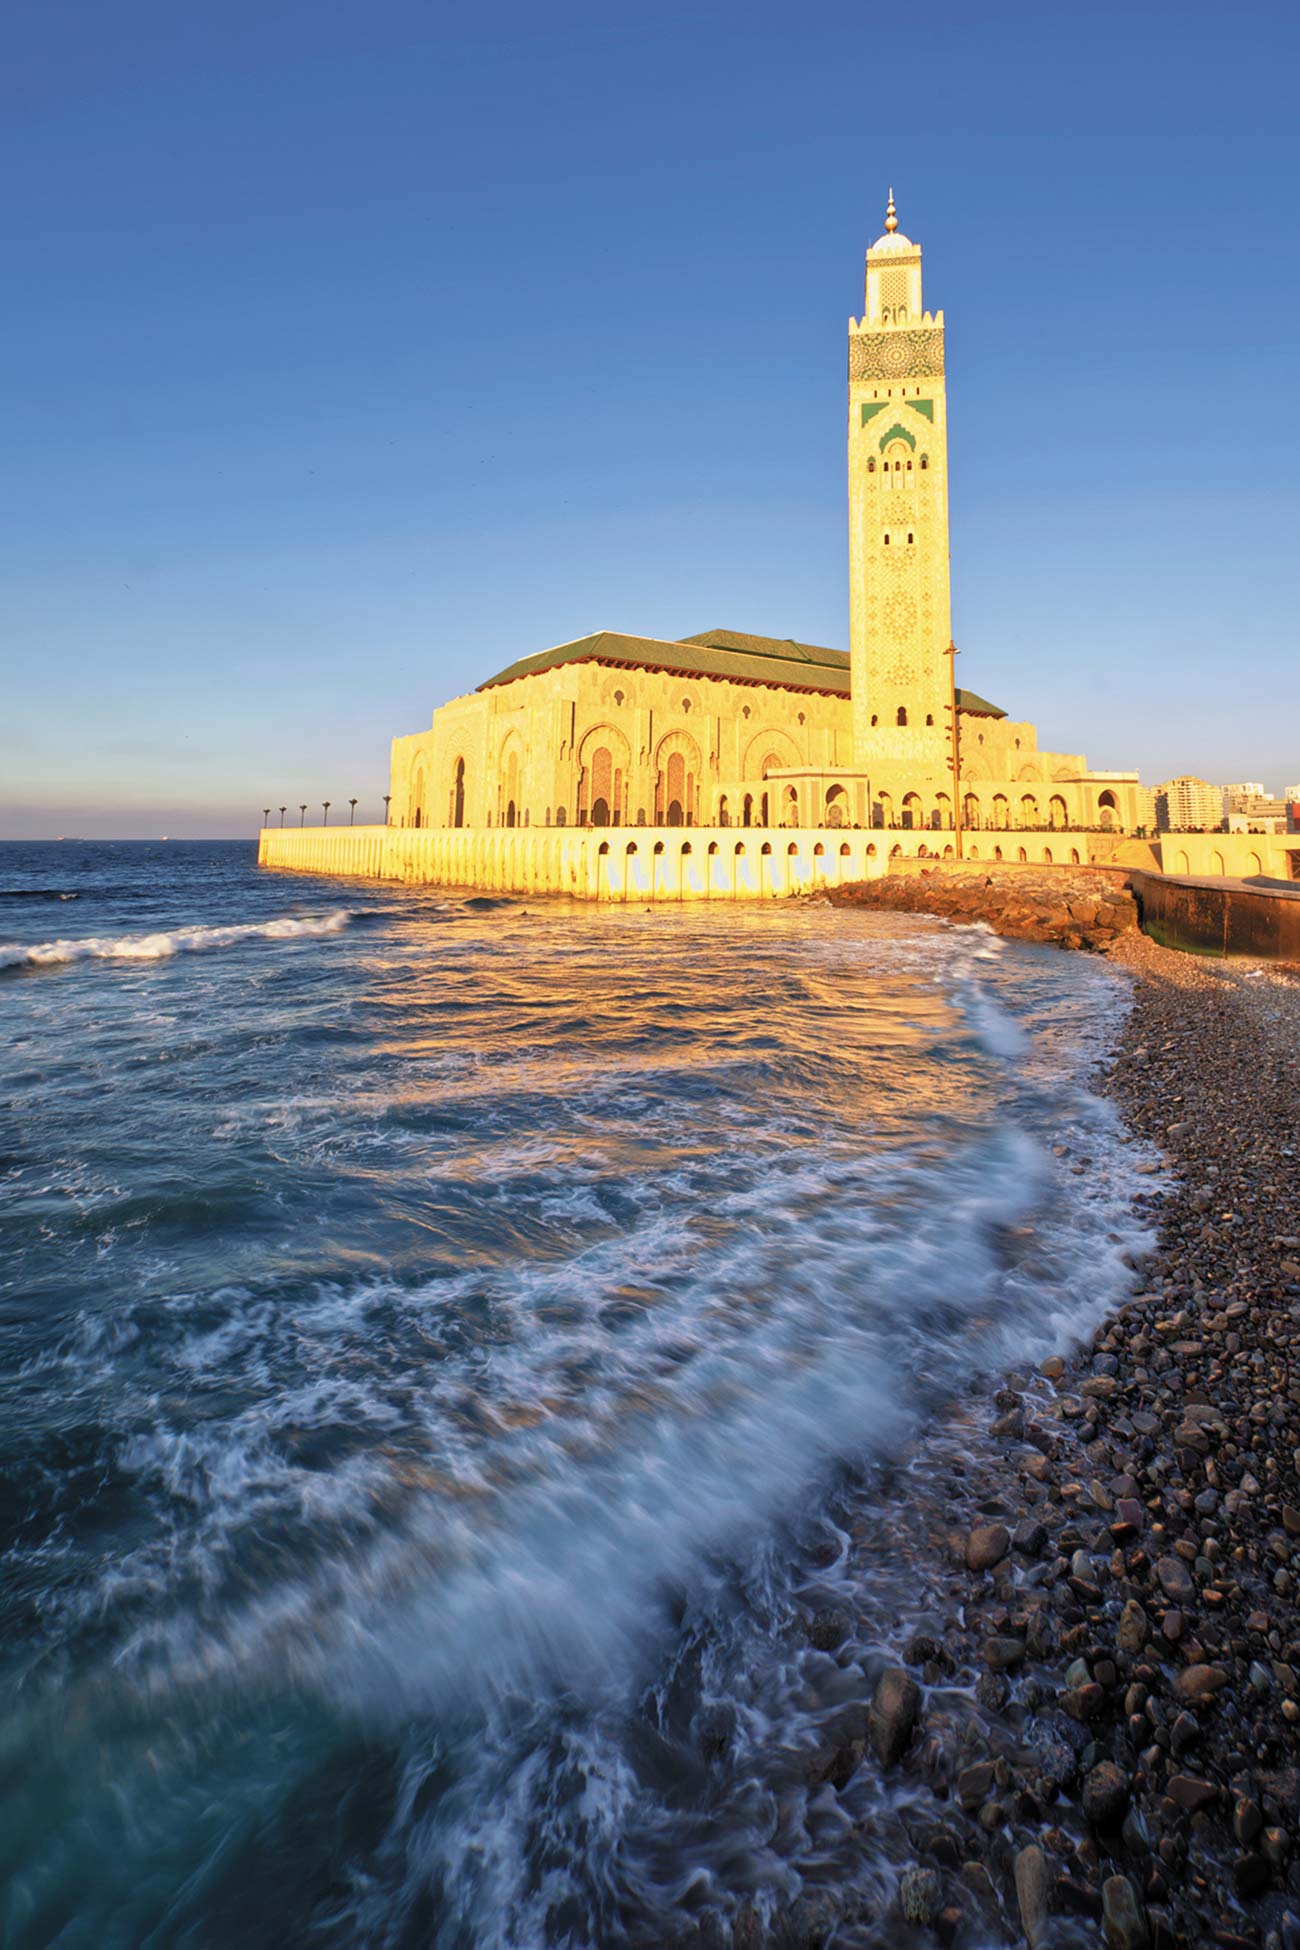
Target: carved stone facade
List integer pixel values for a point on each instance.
(896, 355)
(899, 616)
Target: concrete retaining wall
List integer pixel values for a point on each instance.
(1238, 856)
(1223, 917)
(623, 863)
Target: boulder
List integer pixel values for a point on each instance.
(986, 1546)
(1123, 1925)
(1033, 1888)
(893, 1714)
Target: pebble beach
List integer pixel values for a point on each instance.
(1095, 1734)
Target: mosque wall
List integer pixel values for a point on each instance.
(588, 743)
(645, 865)
(627, 747)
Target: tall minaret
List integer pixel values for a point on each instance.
(899, 619)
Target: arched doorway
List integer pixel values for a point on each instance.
(678, 771)
(837, 806)
(509, 802)
(1107, 811)
(601, 785)
(458, 795)
(675, 789)
(747, 810)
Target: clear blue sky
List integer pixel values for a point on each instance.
(352, 350)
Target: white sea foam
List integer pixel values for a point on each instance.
(489, 1494)
(174, 941)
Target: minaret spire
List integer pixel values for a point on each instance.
(891, 218)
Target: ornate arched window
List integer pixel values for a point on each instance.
(602, 787)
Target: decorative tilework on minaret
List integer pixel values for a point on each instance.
(899, 618)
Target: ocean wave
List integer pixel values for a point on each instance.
(449, 1446)
(172, 941)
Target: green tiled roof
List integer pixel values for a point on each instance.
(715, 653)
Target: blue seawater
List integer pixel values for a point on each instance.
(432, 1326)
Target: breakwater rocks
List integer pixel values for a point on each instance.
(1074, 908)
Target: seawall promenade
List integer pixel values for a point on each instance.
(637, 863)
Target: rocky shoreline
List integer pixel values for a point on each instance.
(1097, 1740)
(1081, 907)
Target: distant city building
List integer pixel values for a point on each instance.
(1189, 805)
(1252, 810)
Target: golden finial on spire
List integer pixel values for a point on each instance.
(891, 221)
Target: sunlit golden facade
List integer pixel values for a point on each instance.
(723, 733)
(724, 729)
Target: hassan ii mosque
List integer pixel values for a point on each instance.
(726, 729)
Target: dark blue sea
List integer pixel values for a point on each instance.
(441, 1338)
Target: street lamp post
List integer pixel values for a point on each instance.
(303, 810)
(352, 815)
(325, 804)
(387, 797)
(283, 811)
(266, 815)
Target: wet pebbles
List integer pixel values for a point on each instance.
(1099, 1742)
